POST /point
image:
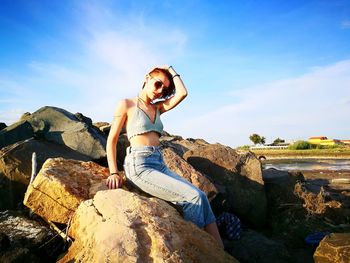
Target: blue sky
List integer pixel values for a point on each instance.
(276, 68)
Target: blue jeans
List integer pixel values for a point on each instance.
(144, 167)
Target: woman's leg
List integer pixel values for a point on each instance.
(150, 174)
(212, 229)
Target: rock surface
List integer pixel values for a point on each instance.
(59, 126)
(120, 226)
(255, 247)
(240, 179)
(333, 248)
(62, 185)
(16, 166)
(25, 240)
(184, 169)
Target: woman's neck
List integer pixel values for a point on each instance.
(144, 98)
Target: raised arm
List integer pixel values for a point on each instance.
(180, 92)
(114, 180)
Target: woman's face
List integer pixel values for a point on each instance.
(155, 85)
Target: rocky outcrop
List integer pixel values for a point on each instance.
(62, 185)
(2, 125)
(333, 248)
(18, 131)
(180, 145)
(184, 169)
(120, 226)
(59, 126)
(25, 240)
(279, 186)
(239, 178)
(16, 166)
(255, 247)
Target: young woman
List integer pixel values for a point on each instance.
(144, 167)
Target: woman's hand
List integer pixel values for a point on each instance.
(114, 181)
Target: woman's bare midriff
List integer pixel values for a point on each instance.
(146, 139)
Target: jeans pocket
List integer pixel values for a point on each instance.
(143, 153)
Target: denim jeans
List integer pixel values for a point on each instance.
(144, 167)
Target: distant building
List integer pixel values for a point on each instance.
(347, 142)
(323, 140)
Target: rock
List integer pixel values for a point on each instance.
(184, 169)
(18, 131)
(333, 248)
(2, 125)
(239, 178)
(254, 247)
(180, 145)
(279, 187)
(62, 185)
(22, 237)
(16, 166)
(120, 226)
(60, 126)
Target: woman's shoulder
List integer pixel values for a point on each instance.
(126, 103)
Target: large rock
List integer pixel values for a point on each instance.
(25, 240)
(60, 126)
(239, 177)
(279, 187)
(18, 131)
(255, 247)
(333, 248)
(180, 145)
(120, 226)
(178, 165)
(16, 166)
(62, 185)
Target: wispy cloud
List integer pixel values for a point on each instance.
(296, 108)
(345, 24)
(114, 57)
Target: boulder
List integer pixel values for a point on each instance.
(239, 178)
(23, 238)
(120, 226)
(60, 126)
(2, 125)
(18, 131)
(16, 166)
(255, 247)
(62, 185)
(279, 186)
(178, 165)
(333, 248)
(180, 145)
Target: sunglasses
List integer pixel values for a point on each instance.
(159, 84)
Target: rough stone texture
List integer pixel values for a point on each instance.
(333, 248)
(120, 226)
(19, 233)
(2, 125)
(180, 145)
(60, 126)
(279, 187)
(254, 247)
(18, 131)
(16, 166)
(239, 178)
(62, 185)
(184, 169)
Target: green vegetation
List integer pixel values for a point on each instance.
(257, 139)
(339, 152)
(304, 145)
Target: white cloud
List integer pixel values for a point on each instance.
(345, 24)
(313, 104)
(116, 54)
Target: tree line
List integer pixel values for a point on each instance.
(257, 139)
